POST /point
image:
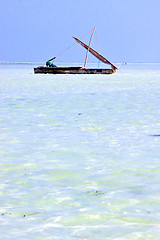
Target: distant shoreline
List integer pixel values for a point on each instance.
(42, 63)
(19, 63)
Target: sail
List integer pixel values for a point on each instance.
(96, 54)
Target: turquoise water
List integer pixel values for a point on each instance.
(80, 154)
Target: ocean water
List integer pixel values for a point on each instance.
(80, 154)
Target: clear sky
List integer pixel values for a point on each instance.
(36, 30)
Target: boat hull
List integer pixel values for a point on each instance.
(71, 70)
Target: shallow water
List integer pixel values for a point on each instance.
(80, 154)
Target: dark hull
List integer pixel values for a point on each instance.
(71, 70)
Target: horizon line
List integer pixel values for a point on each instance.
(33, 63)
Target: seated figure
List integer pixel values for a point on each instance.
(50, 64)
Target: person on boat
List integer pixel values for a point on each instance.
(49, 63)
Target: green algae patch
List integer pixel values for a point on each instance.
(63, 174)
(22, 182)
(106, 219)
(139, 220)
(20, 167)
(83, 219)
(94, 128)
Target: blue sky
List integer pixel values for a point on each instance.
(36, 30)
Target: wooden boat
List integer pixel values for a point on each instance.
(79, 70)
(72, 70)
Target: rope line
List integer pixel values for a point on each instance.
(72, 44)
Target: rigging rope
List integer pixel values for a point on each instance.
(72, 44)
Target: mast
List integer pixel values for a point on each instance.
(89, 47)
(96, 54)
